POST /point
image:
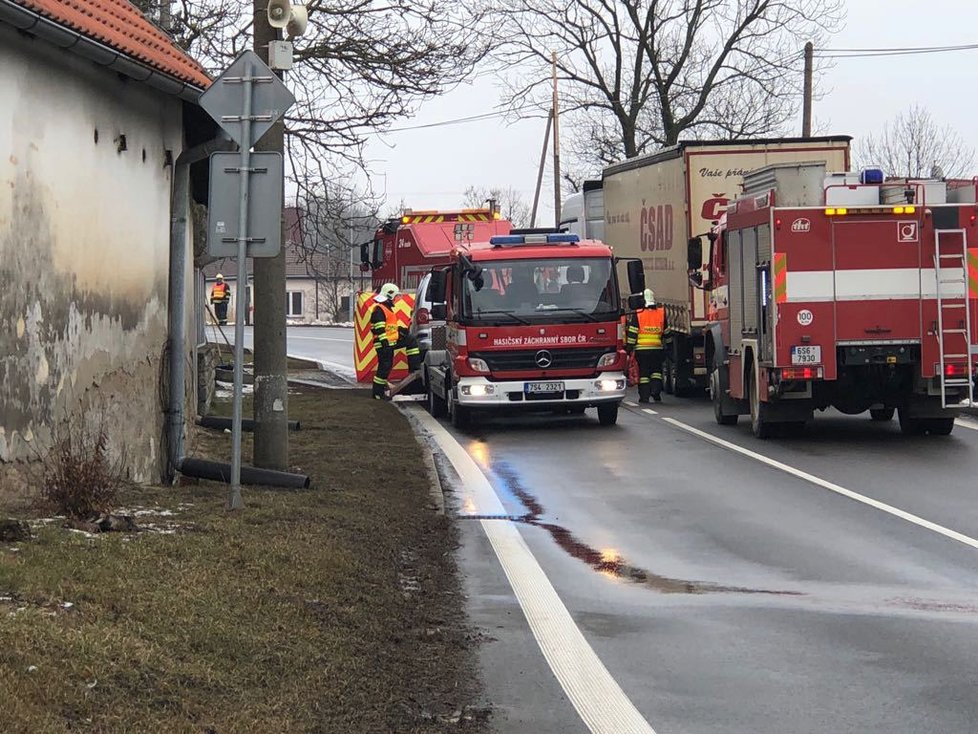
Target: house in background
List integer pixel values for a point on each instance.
(319, 277)
(98, 105)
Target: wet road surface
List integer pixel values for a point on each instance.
(725, 594)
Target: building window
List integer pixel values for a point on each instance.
(293, 303)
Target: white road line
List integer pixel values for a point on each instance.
(595, 694)
(882, 506)
(630, 404)
(321, 339)
(970, 425)
(649, 411)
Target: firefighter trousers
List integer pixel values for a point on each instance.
(221, 312)
(385, 360)
(649, 373)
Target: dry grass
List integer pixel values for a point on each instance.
(330, 610)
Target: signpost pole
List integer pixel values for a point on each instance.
(234, 496)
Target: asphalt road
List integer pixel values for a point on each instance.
(725, 594)
(819, 583)
(331, 346)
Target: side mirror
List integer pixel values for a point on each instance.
(365, 255)
(694, 253)
(636, 276)
(438, 311)
(364, 267)
(636, 302)
(436, 288)
(470, 269)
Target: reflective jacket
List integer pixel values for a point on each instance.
(384, 324)
(220, 293)
(646, 328)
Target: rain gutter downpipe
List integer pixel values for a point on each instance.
(176, 460)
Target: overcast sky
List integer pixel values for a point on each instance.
(430, 168)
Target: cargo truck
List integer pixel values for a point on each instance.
(653, 206)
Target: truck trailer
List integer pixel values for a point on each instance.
(844, 290)
(655, 203)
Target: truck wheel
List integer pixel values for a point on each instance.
(939, 426)
(881, 415)
(436, 403)
(668, 376)
(910, 426)
(722, 418)
(460, 416)
(608, 414)
(759, 425)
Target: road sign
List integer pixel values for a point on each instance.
(264, 223)
(224, 99)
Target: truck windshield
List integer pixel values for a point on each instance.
(533, 291)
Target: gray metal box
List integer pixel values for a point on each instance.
(795, 184)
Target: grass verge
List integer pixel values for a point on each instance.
(335, 609)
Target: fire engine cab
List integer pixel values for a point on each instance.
(845, 290)
(408, 246)
(533, 322)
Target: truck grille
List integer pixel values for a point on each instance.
(526, 359)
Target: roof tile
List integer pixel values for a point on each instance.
(120, 25)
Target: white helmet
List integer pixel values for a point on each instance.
(388, 291)
(649, 297)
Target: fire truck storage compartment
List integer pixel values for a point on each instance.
(749, 253)
(797, 184)
(926, 193)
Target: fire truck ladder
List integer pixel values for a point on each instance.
(954, 342)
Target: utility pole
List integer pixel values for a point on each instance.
(271, 367)
(556, 121)
(543, 162)
(806, 110)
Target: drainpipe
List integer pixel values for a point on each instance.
(176, 461)
(177, 297)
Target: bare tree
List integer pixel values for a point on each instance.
(361, 65)
(914, 145)
(638, 74)
(511, 203)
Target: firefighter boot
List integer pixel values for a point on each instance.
(644, 389)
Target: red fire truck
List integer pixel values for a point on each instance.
(843, 290)
(408, 246)
(533, 322)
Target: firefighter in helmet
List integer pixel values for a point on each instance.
(645, 330)
(389, 336)
(220, 297)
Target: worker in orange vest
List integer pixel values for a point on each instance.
(220, 297)
(645, 329)
(389, 336)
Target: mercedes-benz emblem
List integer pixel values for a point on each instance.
(544, 359)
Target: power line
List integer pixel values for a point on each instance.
(856, 53)
(444, 123)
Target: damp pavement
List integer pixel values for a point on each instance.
(725, 595)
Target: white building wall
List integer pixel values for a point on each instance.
(84, 249)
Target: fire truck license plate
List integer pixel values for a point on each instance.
(535, 387)
(806, 355)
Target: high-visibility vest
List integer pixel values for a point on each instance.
(651, 322)
(219, 292)
(392, 328)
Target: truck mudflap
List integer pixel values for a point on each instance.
(551, 392)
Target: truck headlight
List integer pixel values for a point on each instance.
(608, 359)
(478, 365)
(610, 385)
(478, 391)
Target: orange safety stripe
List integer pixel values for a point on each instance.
(973, 272)
(364, 354)
(780, 277)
